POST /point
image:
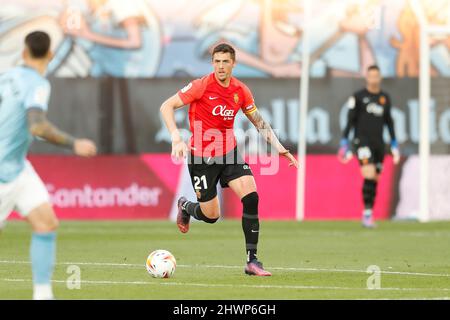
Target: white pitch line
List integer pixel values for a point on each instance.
(108, 264)
(208, 285)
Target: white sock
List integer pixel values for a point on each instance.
(42, 292)
(367, 213)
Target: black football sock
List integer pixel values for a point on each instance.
(369, 193)
(194, 210)
(374, 192)
(250, 224)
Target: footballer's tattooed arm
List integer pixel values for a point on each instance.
(40, 127)
(267, 133)
(265, 130)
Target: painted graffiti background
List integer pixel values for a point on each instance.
(153, 38)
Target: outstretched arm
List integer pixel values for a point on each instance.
(39, 126)
(131, 25)
(267, 133)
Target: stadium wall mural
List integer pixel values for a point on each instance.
(157, 39)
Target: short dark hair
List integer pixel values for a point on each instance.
(224, 48)
(373, 67)
(38, 42)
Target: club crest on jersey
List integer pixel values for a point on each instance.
(382, 100)
(236, 98)
(222, 111)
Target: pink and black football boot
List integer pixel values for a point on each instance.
(183, 217)
(255, 268)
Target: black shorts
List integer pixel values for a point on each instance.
(370, 153)
(207, 172)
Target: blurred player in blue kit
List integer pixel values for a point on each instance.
(24, 95)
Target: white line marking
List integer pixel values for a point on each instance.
(208, 285)
(109, 264)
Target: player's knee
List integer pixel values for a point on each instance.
(210, 211)
(369, 172)
(46, 226)
(49, 224)
(53, 223)
(43, 219)
(250, 203)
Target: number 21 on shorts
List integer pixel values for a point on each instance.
(198, 181)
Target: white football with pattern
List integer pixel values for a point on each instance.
(161, 264)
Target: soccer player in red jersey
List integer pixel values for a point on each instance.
(214, 102)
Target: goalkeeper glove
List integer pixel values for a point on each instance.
(395, 151)
(344, 153)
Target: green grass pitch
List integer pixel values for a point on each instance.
(310, 260)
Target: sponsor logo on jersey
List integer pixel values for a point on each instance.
(221, 110)
(375, 109)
